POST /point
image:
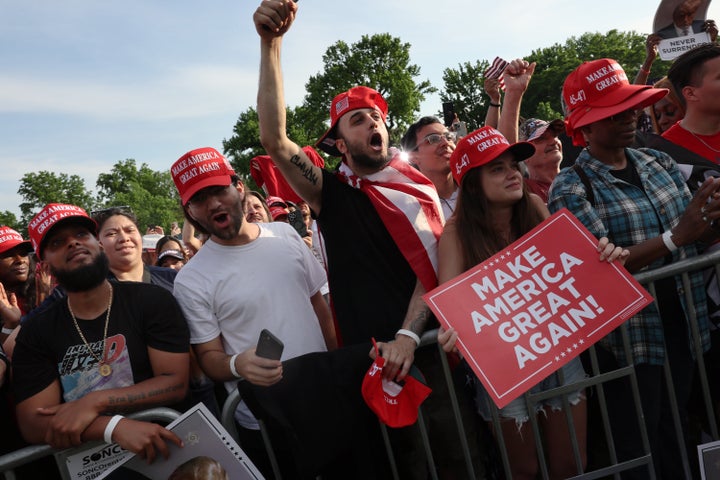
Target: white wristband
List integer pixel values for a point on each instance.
(667, 240)
(409, 333)
(110, 427)
(233, 370)
(7, 331)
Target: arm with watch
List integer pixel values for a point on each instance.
(400, 353)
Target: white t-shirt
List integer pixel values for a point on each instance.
(236, 291)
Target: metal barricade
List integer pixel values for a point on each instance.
(11, 461)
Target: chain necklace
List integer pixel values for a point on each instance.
(104, 368)
(703, 142)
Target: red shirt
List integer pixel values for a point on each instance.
(707, 146)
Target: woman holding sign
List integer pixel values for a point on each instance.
(638, 198)
(493, 210)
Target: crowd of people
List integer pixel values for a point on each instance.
(96, 324)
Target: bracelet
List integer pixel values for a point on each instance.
(110, 427)
(409, 333)
(7, 331)
(494, 104)
(646, 72)
(233, 370)
(667, 240)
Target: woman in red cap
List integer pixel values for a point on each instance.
(638, 198)
(493, 210)
(19, 292)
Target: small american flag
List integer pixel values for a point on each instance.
(496, 70)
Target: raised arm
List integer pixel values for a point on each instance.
(492, 89)
(272, 20)
(516, 77)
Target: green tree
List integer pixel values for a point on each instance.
(464, 88)
(37, 189)
(556, 62)
(378, 61)
(9, 219)
(150, 194)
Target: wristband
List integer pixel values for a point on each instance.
(409, 333)
(494, 104)
(667, 240)
(7, 331)
(646, 72)
(233, 370)
(110, 427)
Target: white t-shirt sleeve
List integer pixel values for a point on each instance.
(194, 301)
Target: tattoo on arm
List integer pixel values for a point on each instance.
(420, 321)
(305, 169)
(118, 402)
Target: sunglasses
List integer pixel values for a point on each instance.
(435, 138)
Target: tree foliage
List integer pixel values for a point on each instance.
(150, 194)
(379, 61)
(464, 88)
(9, 219)
(37, 189)
(556, 62)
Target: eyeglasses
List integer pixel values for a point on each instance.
(435, 138)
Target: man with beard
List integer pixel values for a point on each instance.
(247, 277)
(108, 348)
(379, 216)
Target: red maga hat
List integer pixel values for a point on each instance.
(198, 169)
(483, 146)
(10, 238)
(353, 99)
(395, 405)
(50, 217)
(600, 89)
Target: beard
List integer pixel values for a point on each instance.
(84, 277)
(370, 161)
(236, 219)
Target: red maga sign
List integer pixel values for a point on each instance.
(534, 306)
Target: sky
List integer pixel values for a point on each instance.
(85, 84)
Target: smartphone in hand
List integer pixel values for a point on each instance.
(296, 220)
(269, 346)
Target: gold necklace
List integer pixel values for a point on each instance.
(703, 142)
(104, 368)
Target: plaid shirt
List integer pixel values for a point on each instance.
(628, 216)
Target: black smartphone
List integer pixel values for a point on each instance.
(269, 346)
(295, 219)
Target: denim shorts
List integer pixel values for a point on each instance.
(517, 409)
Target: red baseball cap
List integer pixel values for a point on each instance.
(483, 146)
(395, 405)
(10, 238)
(277, 206)
(200, 168)
(353, 99)
(600, 89)
(53, 215)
